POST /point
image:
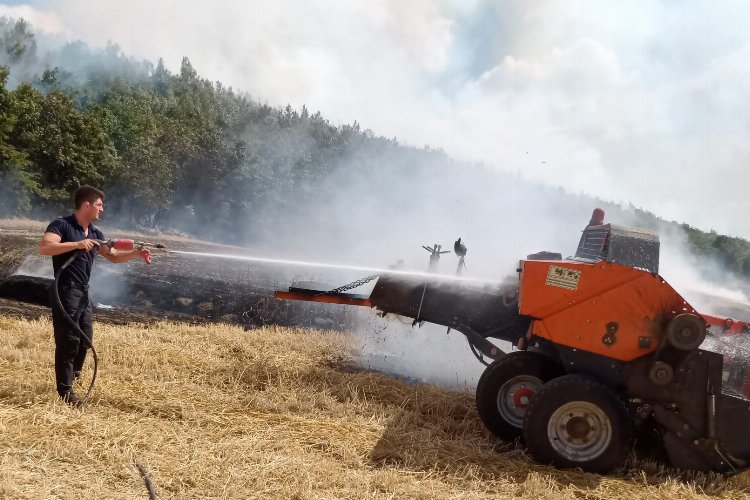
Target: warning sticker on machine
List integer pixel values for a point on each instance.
(563, 277)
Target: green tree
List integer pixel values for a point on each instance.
(17, 182)
(17, 41)
(65, 146)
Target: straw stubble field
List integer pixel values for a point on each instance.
(219, 412)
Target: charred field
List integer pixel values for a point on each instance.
(188, 288)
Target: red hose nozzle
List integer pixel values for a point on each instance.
(121, 244)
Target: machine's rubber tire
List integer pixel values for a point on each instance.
(574, 421)
(506, 387)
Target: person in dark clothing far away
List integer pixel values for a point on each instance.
(63, 237)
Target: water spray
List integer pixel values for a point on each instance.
(324, 265)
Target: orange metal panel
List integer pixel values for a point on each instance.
(604, 308)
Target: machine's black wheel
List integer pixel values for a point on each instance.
(505, 389)
(574, 421)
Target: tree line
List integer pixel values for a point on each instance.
(167, 147)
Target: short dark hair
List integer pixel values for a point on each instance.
(87, 193)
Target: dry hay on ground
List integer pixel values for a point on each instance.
(218, 412)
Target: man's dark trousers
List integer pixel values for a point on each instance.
(70, 348)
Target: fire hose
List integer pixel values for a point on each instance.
(117, 244)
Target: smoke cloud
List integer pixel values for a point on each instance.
(631, 101)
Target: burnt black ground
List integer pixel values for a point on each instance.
(174, 286)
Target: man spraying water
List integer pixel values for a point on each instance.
(73, 242)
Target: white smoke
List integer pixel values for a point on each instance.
(619, 100)
(37, 266)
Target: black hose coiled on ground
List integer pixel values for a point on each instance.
(75, 326)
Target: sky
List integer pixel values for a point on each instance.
(642, 102)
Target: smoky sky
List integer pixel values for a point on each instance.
(632, 101)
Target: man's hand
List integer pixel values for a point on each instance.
(146, 255)
(120, 256)
(87, 245)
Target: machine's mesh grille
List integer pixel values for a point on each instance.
(592, 244)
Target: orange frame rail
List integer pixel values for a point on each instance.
(316, 296)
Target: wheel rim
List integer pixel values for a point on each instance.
(514, 396)
(579, 431)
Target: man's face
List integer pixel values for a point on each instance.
(92, 211)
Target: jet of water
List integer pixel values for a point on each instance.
(371, 270)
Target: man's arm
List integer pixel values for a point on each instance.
(51, 245)
(120, 256)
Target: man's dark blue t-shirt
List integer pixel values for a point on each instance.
(68, 228)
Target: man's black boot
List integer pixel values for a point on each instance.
(71, 399)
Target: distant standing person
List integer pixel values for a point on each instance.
(435, 253)
(76, 233)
